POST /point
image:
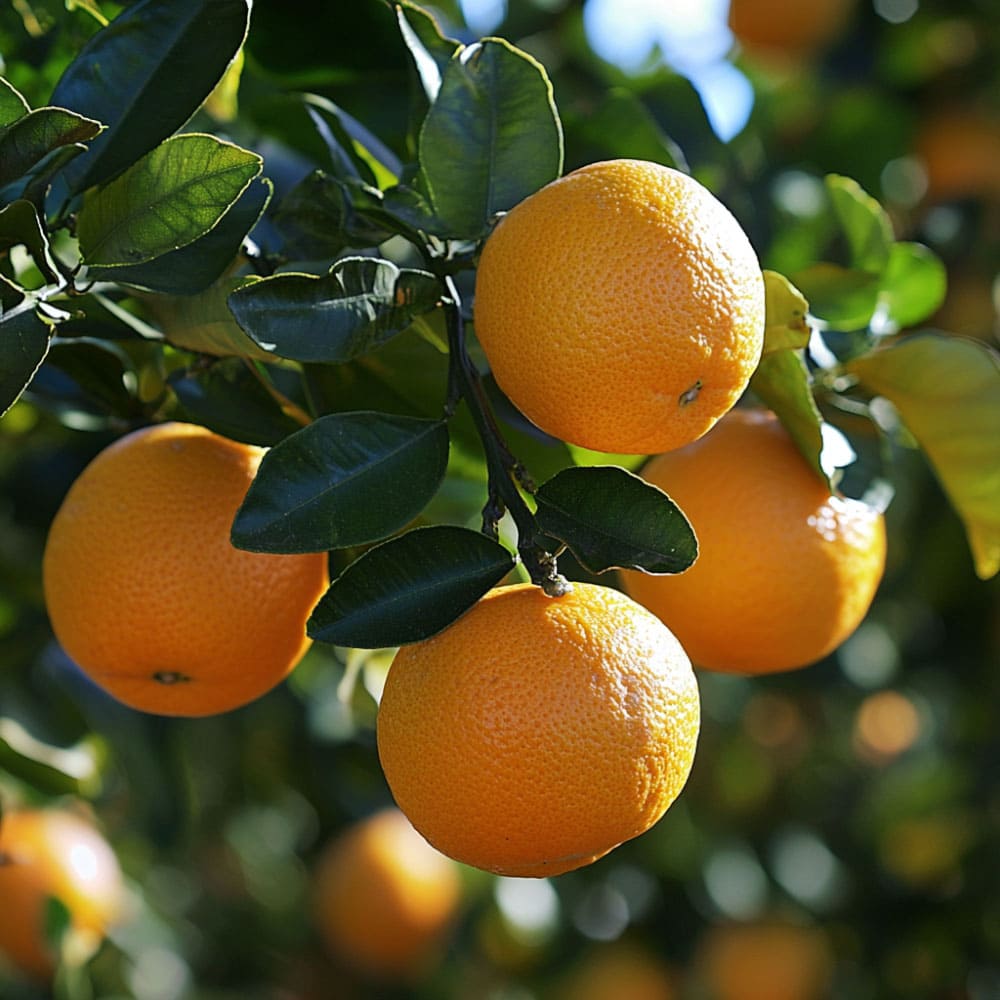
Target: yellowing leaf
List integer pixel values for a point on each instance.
(786, 307)
(947, 392)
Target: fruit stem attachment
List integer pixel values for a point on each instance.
(504, 471)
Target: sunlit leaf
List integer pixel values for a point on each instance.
(345, 480)
(32, 137)
(912, 286)
(172, 196)
(582, 507)
(20, 224)
(844, 298)
(409, 588)
(864, 222)
(12, 103)
(785, 325)
(947, 392)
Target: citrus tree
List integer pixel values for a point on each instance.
(329, 335)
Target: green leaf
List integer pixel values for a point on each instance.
(319, 218)
(31, 138)
(24, 342)
(912, 287)
(203, 322)
(491, 138)
(782, 383)
(193, 268)
(173, 195)
(409, 588)
(355, 152)
(74, 770)
(947, 392)
(786, 309)
(863, 221)
(359, 305)
(843, 298)
(230, 399)
(19, 224)
(583, 506)
(430, 50)
(98, 370)
(145, 74)
(347, 479)
(12, 103)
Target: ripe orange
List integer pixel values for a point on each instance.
(147, 594)
(54, 852)
(788, 26)
(384, 898)
(959, 150)
(621, 307)
(538, 733)
(765, 960)
(785, 571)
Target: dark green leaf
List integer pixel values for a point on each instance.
(355, 152)
(409, 588)
(97, 369)
(947, 392)
(491, 138)
(319, 218)
(347, 479)
(359, 305)
(19, 224)
(12, 104)
(782, 383)
(231, 400)
(912, 287)
(785, 325)
(24, 342)
(194, 267)
(57, 921)
(145, 74)
(173, 195)
(430, 50)
(583, 507)
(863, 221)
(32, 137)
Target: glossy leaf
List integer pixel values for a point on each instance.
(583, 506)
(491, 137)
(947, 392)
(12, 103)
(24, 342)
(863, 222)
(409, 588)
(19, 224)
(430, 50)
(31, 138)
(145, 74)
(786, 309)
(193, 268)
(782, 383)
(347, 479)
(354, 151)
(172, 196)
(911, 288)
(359, 305)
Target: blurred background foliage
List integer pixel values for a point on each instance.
(838, 837)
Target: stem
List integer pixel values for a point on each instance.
(504, 470)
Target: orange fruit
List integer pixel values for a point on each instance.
(621, 307)
(147, 594)
(765, 960)
(788, 26)
(785, 571)
(619, 971)
(538, 733)
(54, 852)
(960, 150)
(384, 899)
